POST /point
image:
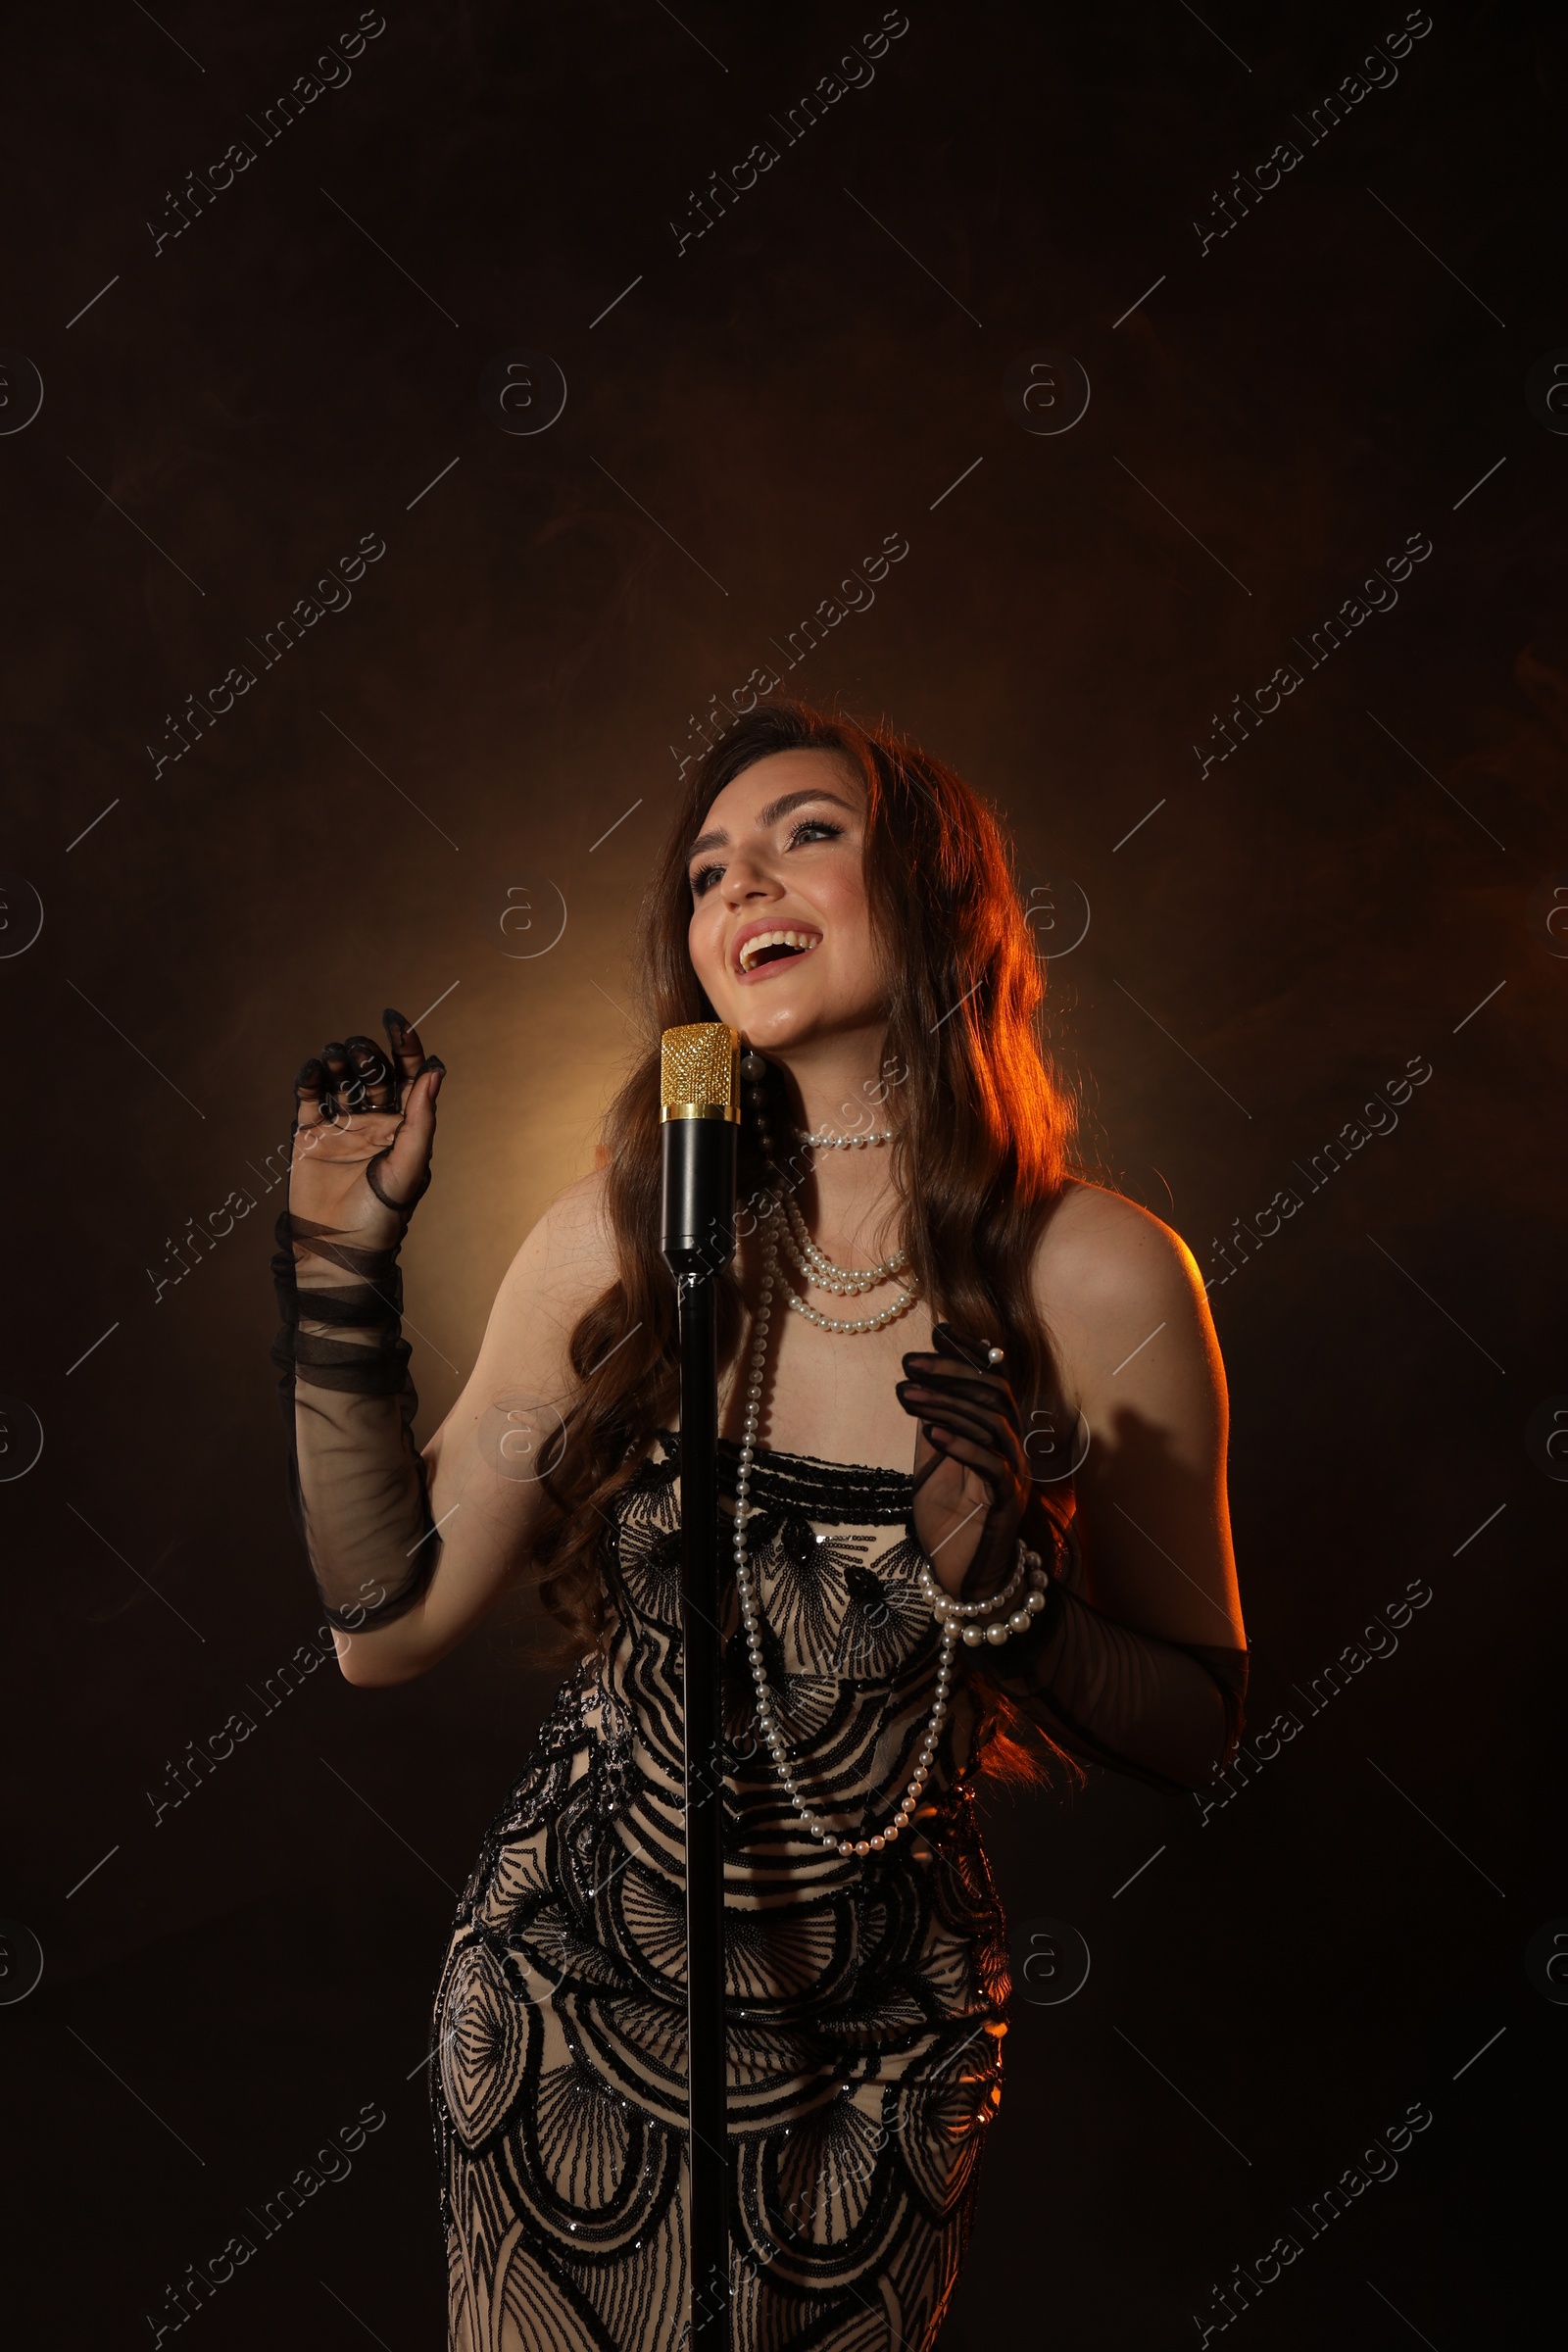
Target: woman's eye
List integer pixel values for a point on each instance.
(809, 829)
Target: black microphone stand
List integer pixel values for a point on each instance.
(698, 1155)
(706, 2087)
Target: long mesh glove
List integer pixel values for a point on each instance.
(1166, 1712)
(360, 1164)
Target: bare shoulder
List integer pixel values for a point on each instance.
(565, 1263)
(1100, 1248)
(1124, 1304)
(570, 1255)
(1111, 1277)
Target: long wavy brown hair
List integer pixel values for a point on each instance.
(981, 1123)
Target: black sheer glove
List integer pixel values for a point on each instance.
(971, 1478)
(1165, 1712)
(364, 1124)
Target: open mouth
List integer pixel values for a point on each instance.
(775, 947)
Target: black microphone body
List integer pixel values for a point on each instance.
(697, 1201)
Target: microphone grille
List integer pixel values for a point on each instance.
(699, 1069)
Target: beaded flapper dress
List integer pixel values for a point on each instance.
(866, 1997)
(866, 1994)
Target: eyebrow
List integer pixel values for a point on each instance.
(770, 816)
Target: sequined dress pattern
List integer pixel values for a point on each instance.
(865, 1996)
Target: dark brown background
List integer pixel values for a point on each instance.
(1280, 937)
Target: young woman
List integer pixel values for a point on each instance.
(976, 1420)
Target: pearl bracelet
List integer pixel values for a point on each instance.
(952, 1613)
(988, 1601)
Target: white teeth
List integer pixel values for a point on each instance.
(754, 947)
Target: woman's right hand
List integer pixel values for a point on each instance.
(363, 1134)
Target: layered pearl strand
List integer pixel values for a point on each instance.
(843, 1143)
(819, 1269)
(845, 1282)
(953, 1617)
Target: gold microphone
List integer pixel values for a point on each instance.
(698, 1073)
(699, 1110)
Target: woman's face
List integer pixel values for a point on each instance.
(780, 932)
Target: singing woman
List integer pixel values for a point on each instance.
(973, 1477)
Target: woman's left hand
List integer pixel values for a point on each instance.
(971, 1478)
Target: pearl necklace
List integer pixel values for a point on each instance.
(951, 1616)
(842, 1281)
(843, 1142)
(819, 1269)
